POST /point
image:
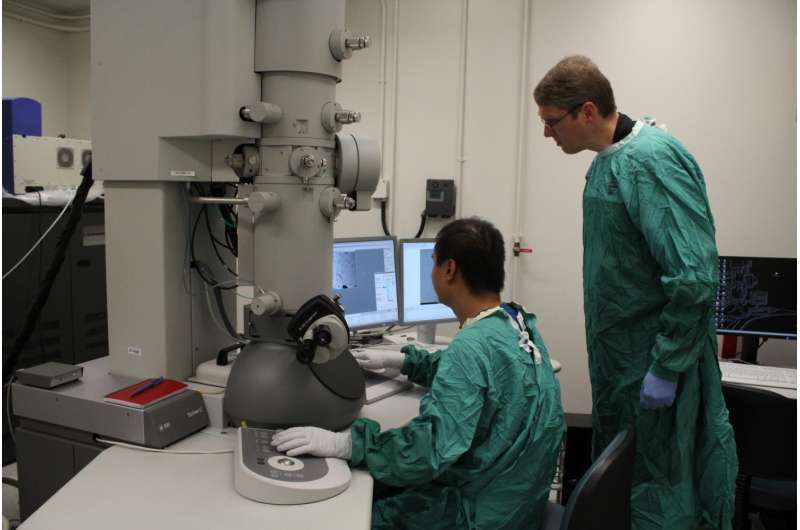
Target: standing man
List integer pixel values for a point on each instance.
(650, 277)
(482, 452)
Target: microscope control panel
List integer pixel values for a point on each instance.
(265, 475)
(260, 457)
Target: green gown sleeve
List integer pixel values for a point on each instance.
(666, 199)
(444, 430)
(420, 365)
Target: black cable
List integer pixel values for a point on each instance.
(231, 207)
(195, 264)
(423, 218)
(191, 250)
(231, 244)
(214, 243)
(383, 219)
(220, 305)
(231, 218)
(11, 481)
(231, 211)
(224, 314)
(32, 318)
(222, 207)
(226, 211)
(211, 233)
(233, 236)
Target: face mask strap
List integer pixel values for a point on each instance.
(525, 341)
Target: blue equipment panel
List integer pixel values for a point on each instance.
(20, 116)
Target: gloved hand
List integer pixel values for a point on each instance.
(314, 441)
(656, 392)
(389, 362)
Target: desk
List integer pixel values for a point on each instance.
(790, 393)
(128, 489)
(786, 392)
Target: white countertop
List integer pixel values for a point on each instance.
(131, 489)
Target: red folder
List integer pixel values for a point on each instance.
(165, 389)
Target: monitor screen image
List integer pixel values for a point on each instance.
(757, 296)
(419, 301)
(364, 276)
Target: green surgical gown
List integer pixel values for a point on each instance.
(483, 450)
(650, 277)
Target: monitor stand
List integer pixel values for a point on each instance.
(750, 348)
(426, 333)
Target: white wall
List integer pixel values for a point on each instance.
(720, 73)
(79, 113)
(51, 67)
(361, 89)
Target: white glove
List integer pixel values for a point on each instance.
(314, 441)
(387, 362)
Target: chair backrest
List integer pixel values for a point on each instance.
(602, 498)
(765, 426)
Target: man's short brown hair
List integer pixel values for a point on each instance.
(575, 80)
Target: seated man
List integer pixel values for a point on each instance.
(482, 452)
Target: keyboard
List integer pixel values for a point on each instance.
(405, 339)
(379, 386)
(757, 375)
(356, 348)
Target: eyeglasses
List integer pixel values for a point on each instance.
(552, 122)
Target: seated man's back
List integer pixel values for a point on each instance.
(483, 450)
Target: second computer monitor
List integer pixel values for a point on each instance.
(419, 302)
(365, 278)
(757, 296)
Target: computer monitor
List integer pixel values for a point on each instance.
(757, 297)
(365, 277)
(419, 302)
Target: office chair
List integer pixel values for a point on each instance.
(602, 498)
(765, 427)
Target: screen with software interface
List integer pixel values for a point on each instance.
(364, 277)
(757, 296)
(420, 303)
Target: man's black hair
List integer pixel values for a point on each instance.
(477, 248)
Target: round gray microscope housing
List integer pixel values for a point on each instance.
(268, 387)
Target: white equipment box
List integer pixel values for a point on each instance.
(48, 163)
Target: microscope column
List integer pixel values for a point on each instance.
(292, 248)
